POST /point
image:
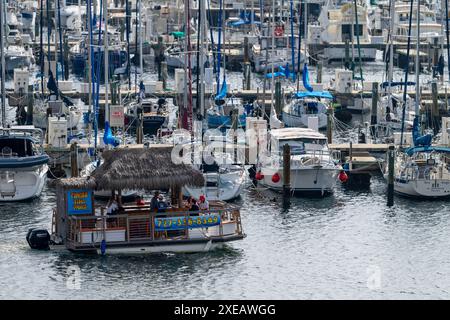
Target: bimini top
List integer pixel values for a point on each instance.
(296, 133)
(412, 150)
(313, 94)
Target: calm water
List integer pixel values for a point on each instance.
(348, 245)
(315, 248)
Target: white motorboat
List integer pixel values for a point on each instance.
(313, 168)
(337, 24)
(23, 163)
(305, 105)
(56, 108)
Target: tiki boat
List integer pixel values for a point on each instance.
(80, 225)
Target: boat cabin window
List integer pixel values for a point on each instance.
(347, 31)
(298, 145)
(12, 147)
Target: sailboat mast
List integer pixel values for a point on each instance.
(417, 60)
(202, 55)
(2, 30)
(391, 52)
(141, 63)
(106, 53)
(272, 82)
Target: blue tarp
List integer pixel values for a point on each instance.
(223, 92)
(305, 76)
(108, 138)
(419, 141)
(245, 18)
(284, 72)
(412, 150)
(313, 94)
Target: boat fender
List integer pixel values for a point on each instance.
(38, 239)
(276, 178)
(259, 176)
(343, 177)
(103, 247)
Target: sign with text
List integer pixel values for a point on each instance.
(79, 202)
(180, 223)
(117, 117)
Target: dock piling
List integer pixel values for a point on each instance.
(278, 97)
(74, 159)
(329, 124)
(391, 159)
(435, 110)
(286, 170)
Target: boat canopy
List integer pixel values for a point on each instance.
(412, 150)
(313, 94)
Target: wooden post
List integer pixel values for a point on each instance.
(435, 109)
(286, 170)
(247, 76)
(246, 55)
(235, 122)
(391, 159)
(350, 156)
(139, 129)
(373, 114)
(347, 54)
(30, 105)
(164, 75)
(74, 159)
(319, 71)
(278, 97)
(329, 124)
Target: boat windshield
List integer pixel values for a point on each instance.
(299, 146)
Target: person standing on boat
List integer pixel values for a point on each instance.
(159, 49)
(203, 203)
(154, 202)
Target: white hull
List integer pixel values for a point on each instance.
(302, 120)
(423, 188)
(309, 179)
(229, 186)
(22, 183)
(177, 248)
(367, 54)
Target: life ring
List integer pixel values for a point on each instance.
(278, 31)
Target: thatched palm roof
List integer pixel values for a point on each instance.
(76, 183)
(143, 168)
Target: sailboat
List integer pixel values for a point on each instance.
(23, 164)
(421, 171)
(307, 104)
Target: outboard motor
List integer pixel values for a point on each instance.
(38, 239)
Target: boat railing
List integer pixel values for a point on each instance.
(137, 224)
(308, 158)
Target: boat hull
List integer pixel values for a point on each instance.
(22, 183)
(318, 180)
(338, 54)
(301, 121)
(423, 188)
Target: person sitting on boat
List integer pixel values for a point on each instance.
(161, 204)
(203, 203)
(194, 206)
(154, 202)
(113, 206)
(140, 201)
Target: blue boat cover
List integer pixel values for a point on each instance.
(314, 94)
(305, 76)
(412, 150)
(245, 18)
(223, 92)
(108, 138)
(420, 141)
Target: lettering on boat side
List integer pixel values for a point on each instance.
(226, 309)
(179, 223)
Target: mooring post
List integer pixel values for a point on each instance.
(286, 170)
(74, 159)
(278, 97)
(391, 159)
(246, 55)
(319, 71)
(30, 105)
(435, 110)
(235, 122)
(373, 112)
(347, 54)
(330, 124)
(139, 129)
(247, 76)
(164, 74)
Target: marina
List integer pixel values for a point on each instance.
(277, 149)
